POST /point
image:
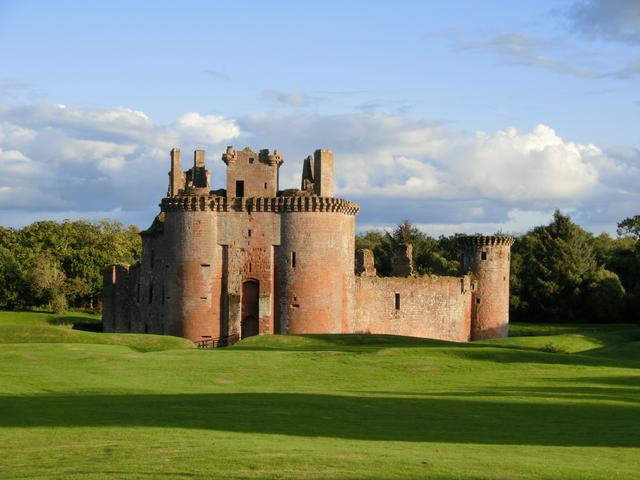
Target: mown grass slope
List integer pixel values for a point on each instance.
(325, 406)
(42, 327)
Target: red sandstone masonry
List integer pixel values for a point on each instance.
(431, 307)
(212, 263)
(488, 258)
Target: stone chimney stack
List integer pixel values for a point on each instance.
(176, 175)
(402, 262)
(201, 178)
(323, 173)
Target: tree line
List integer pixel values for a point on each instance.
(59, 264)
(559, 271)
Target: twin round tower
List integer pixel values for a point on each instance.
(251, 259)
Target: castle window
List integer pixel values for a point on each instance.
(483, 255)
(249, 233)
(397, 301)
(477, 300)
(151, 293)
(265, 185)
(239, 188)
(249, 267)
(205, 265)
(293, 259)
(251, 159)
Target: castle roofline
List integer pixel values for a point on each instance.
(487, 240)
(212, 202)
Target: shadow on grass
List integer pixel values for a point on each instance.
(425, 419)
(349, 342)
(504, 354)
(569, 393)
(78, 322)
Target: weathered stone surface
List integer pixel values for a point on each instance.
(489, 258)
(252, 259)
(402, 262)
(365, 263)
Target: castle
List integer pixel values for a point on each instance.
(251, 259)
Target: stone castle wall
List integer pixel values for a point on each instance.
(431, 307)
(252, 259)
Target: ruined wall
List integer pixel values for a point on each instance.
(431, 307)
(314, 267)
(115, 299)
(258, 172)
(323, 173)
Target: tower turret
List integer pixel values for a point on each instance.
(488, 258)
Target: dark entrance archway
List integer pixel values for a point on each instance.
(250, 310)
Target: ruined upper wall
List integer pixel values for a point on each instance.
(317, 173)
(195, 180)
(251, 174)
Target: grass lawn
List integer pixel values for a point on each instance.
(550, 403)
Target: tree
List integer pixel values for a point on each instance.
(630, 227)
(47, 282)
(558, 274)
(430, 256)
(80, 250)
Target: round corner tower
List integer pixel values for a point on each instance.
(316, 264)
(192, 256)
(488, 259)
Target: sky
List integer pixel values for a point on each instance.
(461, 116)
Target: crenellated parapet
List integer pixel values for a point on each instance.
(274, 158)
(217, 203)
(487, 240)
(186, 203)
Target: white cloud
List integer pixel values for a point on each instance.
(59, 159)
(617, 20)
(521, 49)
(204, 129)
(56, 156)
(396, 167)
(291, 99)
(555, 55)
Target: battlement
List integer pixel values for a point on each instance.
(217, 203)
(487, 240)
(230, 156)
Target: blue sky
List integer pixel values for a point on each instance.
(461, 115)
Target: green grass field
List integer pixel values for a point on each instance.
(550, 403)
